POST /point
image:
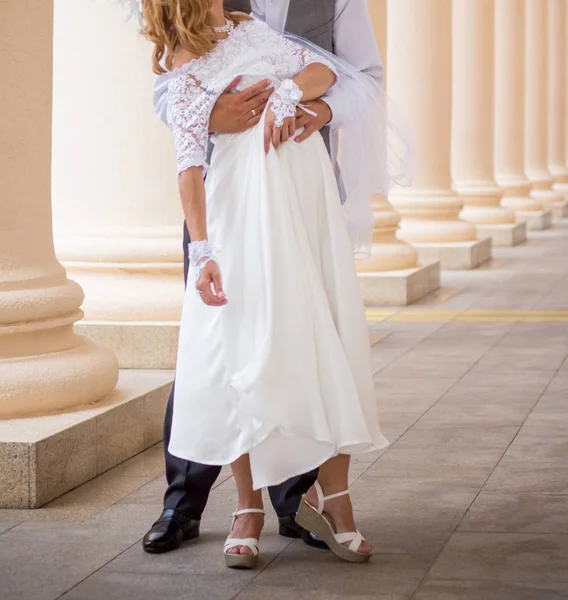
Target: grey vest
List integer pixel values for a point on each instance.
(310, 19)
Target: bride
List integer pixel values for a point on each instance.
(273, 370)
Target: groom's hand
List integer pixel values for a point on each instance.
(235, 113)
(310, 123)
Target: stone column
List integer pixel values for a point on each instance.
(44, 366)
(510, 115)
(566, 87)
(536, 117)
(473, 123)
(117, 214)
(420, 81)
(392, 275)
(557, 99)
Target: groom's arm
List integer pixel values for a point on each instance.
(354, 42)
(233, 112)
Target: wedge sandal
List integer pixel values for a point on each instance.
(242, 561)
(313, 519)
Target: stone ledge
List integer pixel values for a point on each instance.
(41, 458)
(535, 220)
(504, 234)
(400, 288)
(136, 345)
(457, 255)
(560, 210)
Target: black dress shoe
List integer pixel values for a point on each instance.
(169, 531)
(289, 528)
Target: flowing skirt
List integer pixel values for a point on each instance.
(283, 371)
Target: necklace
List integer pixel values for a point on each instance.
(227, 28)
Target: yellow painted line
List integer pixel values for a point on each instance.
(480, 319)
(485, 312)
(381, 312)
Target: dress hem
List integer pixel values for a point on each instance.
(373, 447)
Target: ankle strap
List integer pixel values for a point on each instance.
(247, 511)
(322, 498)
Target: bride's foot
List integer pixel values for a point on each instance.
(245, 526)
(242, 547)
(338, 511)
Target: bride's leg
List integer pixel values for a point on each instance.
(249, 525)
(334, 478)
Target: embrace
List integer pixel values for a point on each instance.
(273, 372)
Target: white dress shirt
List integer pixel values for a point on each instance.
(354, 42)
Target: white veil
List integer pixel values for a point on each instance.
(374, 148)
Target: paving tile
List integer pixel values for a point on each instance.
(473, 350)
(461, 467)
(318, 574)
(534, 445)
(425, 507)
(416, 364)
(538, 558)
(150, 493)
(518, 513)
(519, 379)
(394, 424)
(202, 556)
(528, 477)
(224, 585)
(467, 332)
(503, 398)
(408, 392)
(450, 436)
(495, 413)
(40, 561)
(493, 590)
(536, 357)
(7, 525)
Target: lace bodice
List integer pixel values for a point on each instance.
(253, 51)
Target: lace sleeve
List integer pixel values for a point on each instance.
(189, 108)
(307, 57)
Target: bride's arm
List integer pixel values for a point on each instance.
(192, 193)
(189, 109)
(314, 81)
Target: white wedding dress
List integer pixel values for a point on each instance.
(283, 371)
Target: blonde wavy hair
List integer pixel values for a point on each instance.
(174, 25)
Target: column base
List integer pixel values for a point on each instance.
(457, 255)
(136, 345)
(560, 210)
(400, 288)
(504, 234)
(535, 220)
(41, 458)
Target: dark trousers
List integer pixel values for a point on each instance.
(189, 483)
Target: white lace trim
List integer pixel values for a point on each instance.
(200, 253)
(284, 101)
(190, 106)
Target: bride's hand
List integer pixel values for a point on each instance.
(209, 285)
(277, 135)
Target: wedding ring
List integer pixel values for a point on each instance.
(253, 112)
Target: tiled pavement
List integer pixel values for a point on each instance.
(469, 503)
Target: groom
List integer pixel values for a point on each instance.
(339, 26)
